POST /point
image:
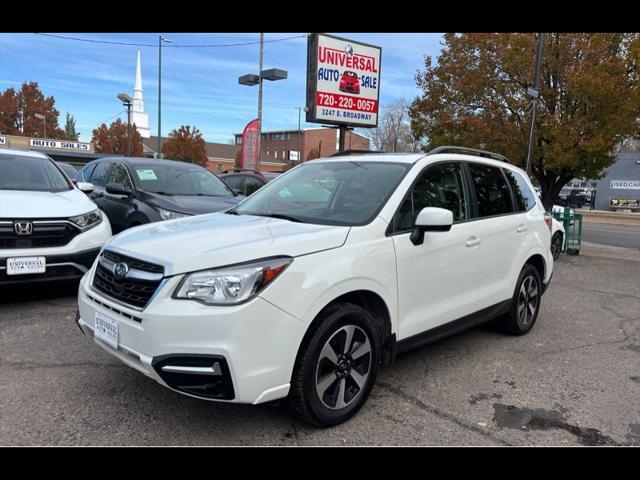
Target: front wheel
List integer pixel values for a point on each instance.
(336, 367)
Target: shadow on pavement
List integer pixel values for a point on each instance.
(30, 292)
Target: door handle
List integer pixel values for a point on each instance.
(473, 242)
(521, 228)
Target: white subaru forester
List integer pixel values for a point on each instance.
(320, 277)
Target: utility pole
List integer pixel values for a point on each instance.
(41, 116)
(534, 93)
(299, 136)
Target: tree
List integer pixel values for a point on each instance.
(313, 153)
(393, 133)
(18, 110)
(238, 158)
(187, 145)
(70, 129)
(9, 112)
(589, 101)
(113, 139)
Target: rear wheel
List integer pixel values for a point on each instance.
(556, 245)
(525, 303)
(336, 367)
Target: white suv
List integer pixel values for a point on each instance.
(49, 229)
(308, 286)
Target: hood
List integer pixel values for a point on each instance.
(192, 204)
(19, 204)
(218, 239)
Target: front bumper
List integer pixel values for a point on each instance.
(254, 344)
(68, 262)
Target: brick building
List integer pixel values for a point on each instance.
(221, 156)
(282, 145)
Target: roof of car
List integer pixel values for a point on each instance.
(145, 160)
(22, 152)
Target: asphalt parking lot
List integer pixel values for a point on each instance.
(574, 380)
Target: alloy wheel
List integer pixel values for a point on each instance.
(528, 298)
(343, 367)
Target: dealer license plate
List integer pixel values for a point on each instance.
(26, 265)
(106, 329)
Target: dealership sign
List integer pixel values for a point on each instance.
(250, 145)
(343, 81)
(625, 184)
(36, 142)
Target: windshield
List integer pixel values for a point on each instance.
(22, 172)
(173, 178)
(331, 193)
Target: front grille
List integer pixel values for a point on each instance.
(45, 234)
(130, 291)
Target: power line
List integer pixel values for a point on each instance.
(215, 45)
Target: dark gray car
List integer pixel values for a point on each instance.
(134, 191)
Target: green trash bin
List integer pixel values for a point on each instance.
(572, 230)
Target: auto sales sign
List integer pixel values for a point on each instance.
(343, 81)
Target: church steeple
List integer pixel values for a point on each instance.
(139, 116)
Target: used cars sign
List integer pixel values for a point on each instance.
(343, 81)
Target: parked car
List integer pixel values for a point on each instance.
(245, 182)
(69, 170)
(557, 238)
(135, 191)
(49, 229)
(349, 82)
(559, 209)
(319, 278)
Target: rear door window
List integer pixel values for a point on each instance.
(234, 181)
(493, 196)
(523, 196)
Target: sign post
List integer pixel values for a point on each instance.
(343, 83)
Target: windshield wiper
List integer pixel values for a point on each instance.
(277, 215)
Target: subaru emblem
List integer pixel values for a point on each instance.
(121, 269)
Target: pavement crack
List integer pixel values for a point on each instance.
(439, 413)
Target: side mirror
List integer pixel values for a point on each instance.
(431, 219)
(117, 189)
(85, 187)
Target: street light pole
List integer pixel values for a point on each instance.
(42, 117)
(260, 102)
(160, 40)
(127, 101)
(534, 93)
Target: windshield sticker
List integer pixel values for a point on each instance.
(284, 193)
(146, 175)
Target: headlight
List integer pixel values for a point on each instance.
(169, 214)
(231, 285)
(88, 220)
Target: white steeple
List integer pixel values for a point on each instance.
(139, 116)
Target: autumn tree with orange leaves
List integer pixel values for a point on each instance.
(187, 145)
(113, 139)
(476, 96)
(18, 110)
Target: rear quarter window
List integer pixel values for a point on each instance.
(523, 196)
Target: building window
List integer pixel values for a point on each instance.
(275, 153)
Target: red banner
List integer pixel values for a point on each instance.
(250, 145)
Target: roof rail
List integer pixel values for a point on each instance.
(475, 151)
(346, 153)
(239, 170)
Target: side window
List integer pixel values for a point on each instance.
(524, 198)
(440, 186)
(234, 181)
(120, 176)
(251, 184)
(492, 192)
(87, 171)
(99, 175)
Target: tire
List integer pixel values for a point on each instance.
(514, 322)
(556, 245)
(324, 391)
